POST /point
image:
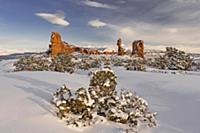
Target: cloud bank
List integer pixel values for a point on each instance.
(57, 19)
(159, 36)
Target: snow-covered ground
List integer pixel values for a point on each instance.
(25, 100)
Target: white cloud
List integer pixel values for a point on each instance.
(57, 19)
(98, 4)
(96, 23)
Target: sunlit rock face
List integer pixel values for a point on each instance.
(57, 46)
(138, 48)
(121, 50)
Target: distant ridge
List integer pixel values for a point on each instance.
(19, 55)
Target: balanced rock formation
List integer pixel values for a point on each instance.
(138, 48)
(121, 50)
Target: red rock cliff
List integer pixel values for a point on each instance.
(57, 46)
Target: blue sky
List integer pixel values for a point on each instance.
(27, 24)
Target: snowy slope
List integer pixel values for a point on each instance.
(25, 96)
(176, 98)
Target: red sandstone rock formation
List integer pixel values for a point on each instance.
(121, 51)
(57, 46)
(109, 52)
(138, 48)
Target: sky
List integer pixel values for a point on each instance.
(26, 25)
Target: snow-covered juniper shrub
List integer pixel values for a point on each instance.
(100, 102)
(32, 63)
(117, 62)
(62, 63)
(87, 64)
(136, 64)
(173, 59)
(104, 82)
(196, 66)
